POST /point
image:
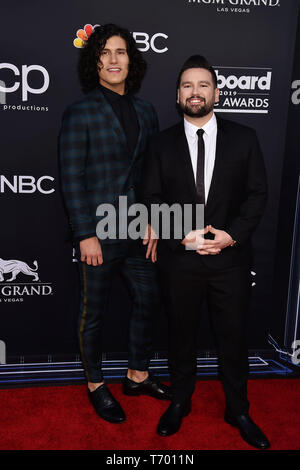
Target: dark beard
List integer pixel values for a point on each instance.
(201, 112)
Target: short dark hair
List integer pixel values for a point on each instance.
(89, 56)
(195, 62)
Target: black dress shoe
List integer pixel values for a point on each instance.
(250, 432)
(170, 421)
(106, 406)
(150, 386)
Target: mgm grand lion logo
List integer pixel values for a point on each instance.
(15, 267)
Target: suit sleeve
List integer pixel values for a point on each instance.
(73, 148)
(253, 205)
(152, 192)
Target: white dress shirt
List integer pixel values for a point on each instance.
(210, 140)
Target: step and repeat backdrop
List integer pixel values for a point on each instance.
(285, 328)
(251, 44)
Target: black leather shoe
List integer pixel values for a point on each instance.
(250, 432)
(170, 421)
(150, 386)
(106, 406)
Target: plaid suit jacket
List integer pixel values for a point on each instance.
(95, 164)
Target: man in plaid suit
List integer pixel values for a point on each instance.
(102, 140)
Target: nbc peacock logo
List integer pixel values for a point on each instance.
(83, 35)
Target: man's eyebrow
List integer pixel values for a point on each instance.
(118, 49)
(200, 81)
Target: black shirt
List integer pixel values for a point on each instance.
(125, 112)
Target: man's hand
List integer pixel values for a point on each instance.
(213, 247)
(194, 239)
(150, 239)
(91, 252)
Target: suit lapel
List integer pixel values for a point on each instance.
(139, 113)
(222, 149)
(182, 150)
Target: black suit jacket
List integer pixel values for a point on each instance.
(237, 194)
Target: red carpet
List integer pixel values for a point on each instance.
(61, 418)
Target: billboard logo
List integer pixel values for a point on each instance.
(24, 74)
(245, 82)
(2, 352)
(244, 89)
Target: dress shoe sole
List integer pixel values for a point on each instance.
(230, 421)
(244, 436)
(109, 420)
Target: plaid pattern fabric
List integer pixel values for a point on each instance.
(95, 165)
(139, 275)
(96, 168)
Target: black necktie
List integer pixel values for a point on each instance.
(200, 168)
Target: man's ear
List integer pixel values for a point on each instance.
(217, 95)
(177, 95)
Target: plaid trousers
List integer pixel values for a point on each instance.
(126, 258)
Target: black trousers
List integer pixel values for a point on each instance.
(227, 293)
(127, 259)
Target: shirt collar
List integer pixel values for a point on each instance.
(112, 95)
(208, 128)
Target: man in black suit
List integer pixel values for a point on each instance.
(218, 164)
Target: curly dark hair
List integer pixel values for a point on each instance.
(89, 56)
